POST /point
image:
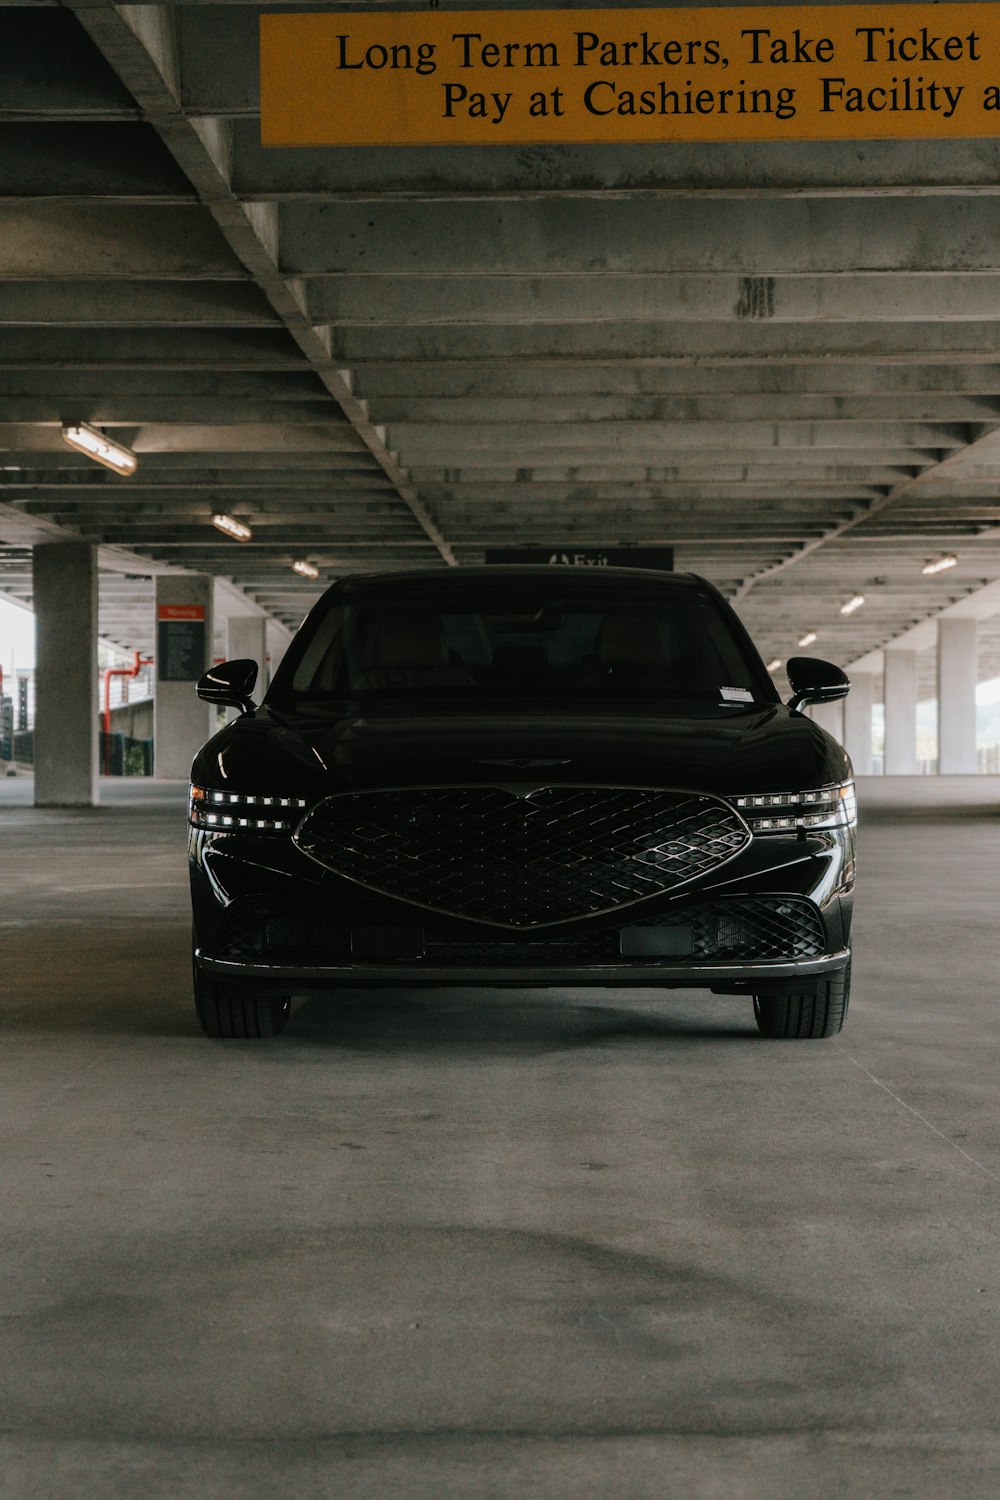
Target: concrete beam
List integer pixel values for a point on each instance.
(621, 484)
(97, 383)
(737, 407)
(174, 410)
(415, 441)
(332, 435)
(102, 304)
(190, 500)
(671, 344)
(940, 490)
(129, 348)
(550, 238)
(124, 161)
(417, 301)
(744, 169)
(111, 412)
(76, 240)
(41, 462)
(638, 381)
(102, 506)
(736, 510)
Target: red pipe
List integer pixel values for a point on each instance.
(109, 672)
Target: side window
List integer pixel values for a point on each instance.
(320, 663)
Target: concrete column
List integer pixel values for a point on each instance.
(66, 704)
(957, 673)
(900, 712)
(858, 722)
(181, 722)
(830, 716)
(277, 645)
(246, 635)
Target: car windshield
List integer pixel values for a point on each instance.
(536, 642)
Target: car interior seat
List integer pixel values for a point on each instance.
(407, 649)
(519, 666)
(631, 649)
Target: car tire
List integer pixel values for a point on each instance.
(817, 1014)
(238, 1012)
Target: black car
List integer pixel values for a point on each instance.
(522, 776)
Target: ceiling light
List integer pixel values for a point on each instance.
(852, 604)
(808, 638)
(941, 564)
(100, 448)
(773, 666)
(238, 530)
(305, 569)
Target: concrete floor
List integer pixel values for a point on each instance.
(530, 1244)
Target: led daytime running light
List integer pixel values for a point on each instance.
(785, 812)
(224, 812)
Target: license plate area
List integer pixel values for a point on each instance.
(657, 942)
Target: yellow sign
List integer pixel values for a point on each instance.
(528, 77)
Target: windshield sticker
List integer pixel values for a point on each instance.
(737, 695)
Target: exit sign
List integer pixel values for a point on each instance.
(657, 559)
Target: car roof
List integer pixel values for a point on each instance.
(558, 575)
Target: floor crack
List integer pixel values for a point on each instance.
(916, 1113)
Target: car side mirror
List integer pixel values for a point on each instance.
(230, 684)
(815, 681)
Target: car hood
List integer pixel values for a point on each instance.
(710, 747)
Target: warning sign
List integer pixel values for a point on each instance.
(548, 76)
(180, 642)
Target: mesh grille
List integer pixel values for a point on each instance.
(303, 934)
(748, 928)
(522, 861)
(751, 929)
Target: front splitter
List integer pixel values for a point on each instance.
(657, 976)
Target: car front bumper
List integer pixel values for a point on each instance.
(266, 916)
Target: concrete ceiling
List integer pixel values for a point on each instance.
(782, 359)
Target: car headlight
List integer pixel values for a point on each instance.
(785, 812)
(223, 812)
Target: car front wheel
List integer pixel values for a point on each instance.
(811, 1015)
(237, 1011)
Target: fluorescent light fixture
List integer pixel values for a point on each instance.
(100, 448)
(773, 666)
(305, 569)
(238, 530)
(852, 604)
(941, 564)
(808, 638)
